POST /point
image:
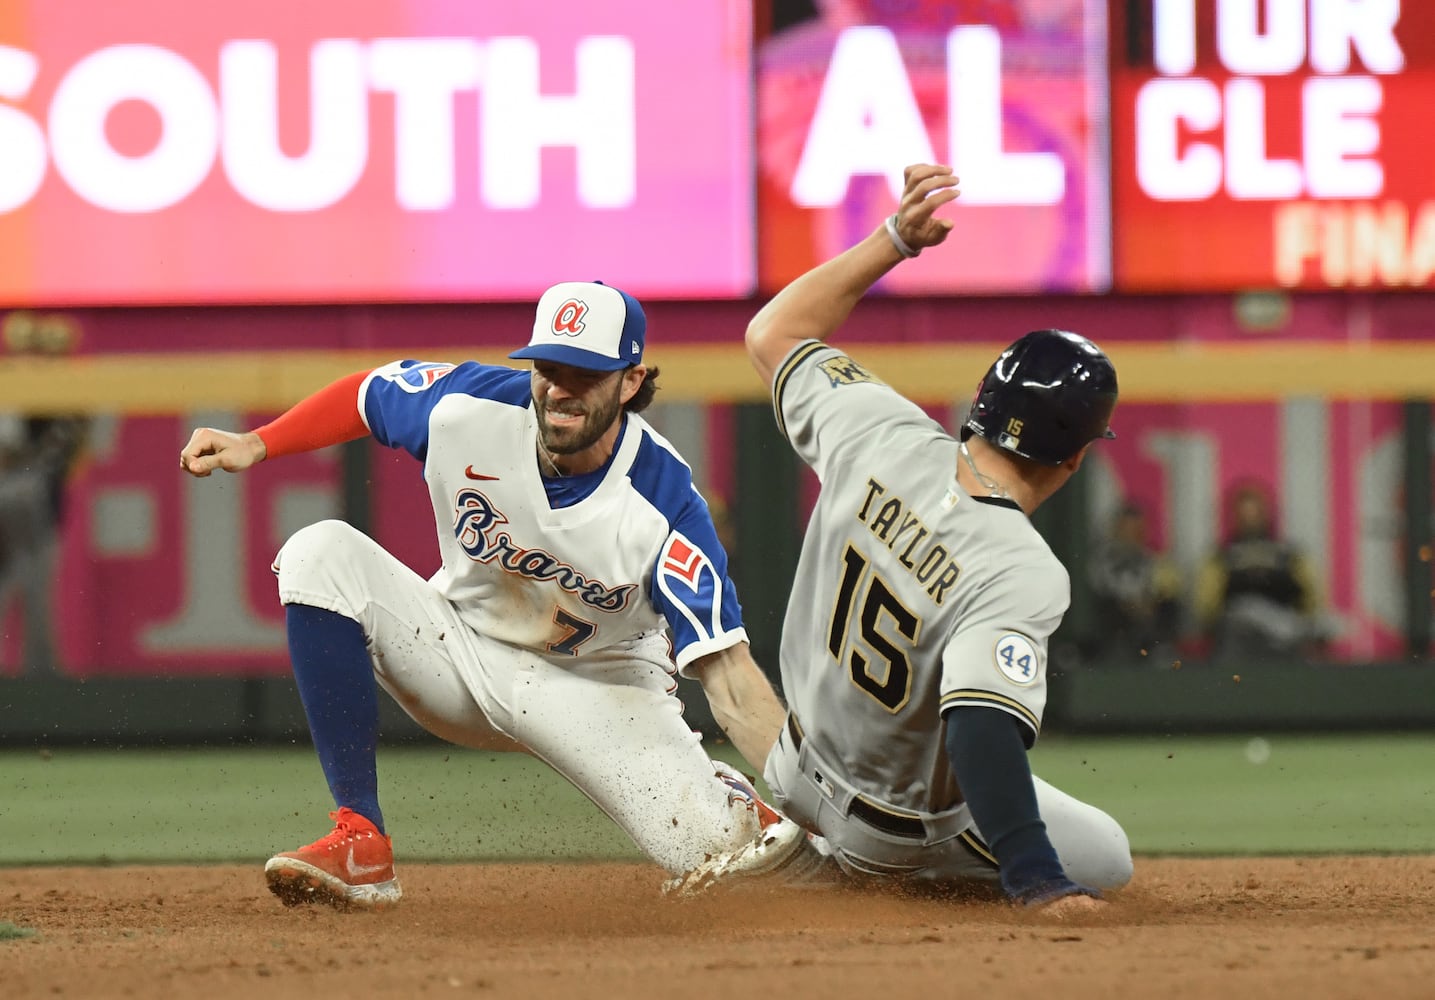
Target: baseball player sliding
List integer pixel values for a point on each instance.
(573, 544)
(914, 650)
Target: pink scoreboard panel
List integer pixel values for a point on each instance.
(1011, 93)
(156, 151)
(1273, 143)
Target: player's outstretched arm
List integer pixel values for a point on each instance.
(210, 449)
(742, 701)
(818, 302)
(328, 417)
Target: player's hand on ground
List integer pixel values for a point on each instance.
(211, 449)
(1071, 906)
(1059, 898)
(928, 188)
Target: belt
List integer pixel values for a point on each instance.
(866, 810)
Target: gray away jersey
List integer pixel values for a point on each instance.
(911, 595)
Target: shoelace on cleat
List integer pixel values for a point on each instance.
(343, 831)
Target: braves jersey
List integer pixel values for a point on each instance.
(913, 596)
(635, 555)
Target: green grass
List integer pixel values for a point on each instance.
(1313, 794)
(11, 932)
(1181, 796)
(91, 806)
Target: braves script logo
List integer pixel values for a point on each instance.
(476, 526)
(568, 320)
(684, 561)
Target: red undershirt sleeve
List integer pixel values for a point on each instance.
(328, 417)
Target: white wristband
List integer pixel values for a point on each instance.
(897, 241)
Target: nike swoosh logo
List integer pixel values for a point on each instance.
(478, 475)
(357, 870)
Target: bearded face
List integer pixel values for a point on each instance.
(575, 406)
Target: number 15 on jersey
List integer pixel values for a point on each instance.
(877, 636)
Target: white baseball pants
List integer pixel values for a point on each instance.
(612, 728)
(939, 847)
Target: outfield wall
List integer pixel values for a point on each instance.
(154, 575)
(1239, 698)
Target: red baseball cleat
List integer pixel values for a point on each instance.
(353, 866)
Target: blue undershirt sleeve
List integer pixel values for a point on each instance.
(989, 761)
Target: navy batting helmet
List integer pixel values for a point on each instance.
(1046, 397)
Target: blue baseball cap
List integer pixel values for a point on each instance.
(587, 324)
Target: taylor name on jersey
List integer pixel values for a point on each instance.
(896, 525)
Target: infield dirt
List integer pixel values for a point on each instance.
(1348, 927)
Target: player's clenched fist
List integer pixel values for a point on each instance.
(211, 449)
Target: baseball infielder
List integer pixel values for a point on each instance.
(575, 550)
(914, 650)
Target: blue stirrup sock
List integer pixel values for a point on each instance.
(341, 701)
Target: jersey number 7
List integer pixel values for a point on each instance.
(891, 686)
(579, 632)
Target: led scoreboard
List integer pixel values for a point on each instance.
(1272, 144)
(392, 150)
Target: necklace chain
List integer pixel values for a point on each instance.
(998, 490)
(548, 460)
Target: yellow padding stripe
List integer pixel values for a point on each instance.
(178, 382)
